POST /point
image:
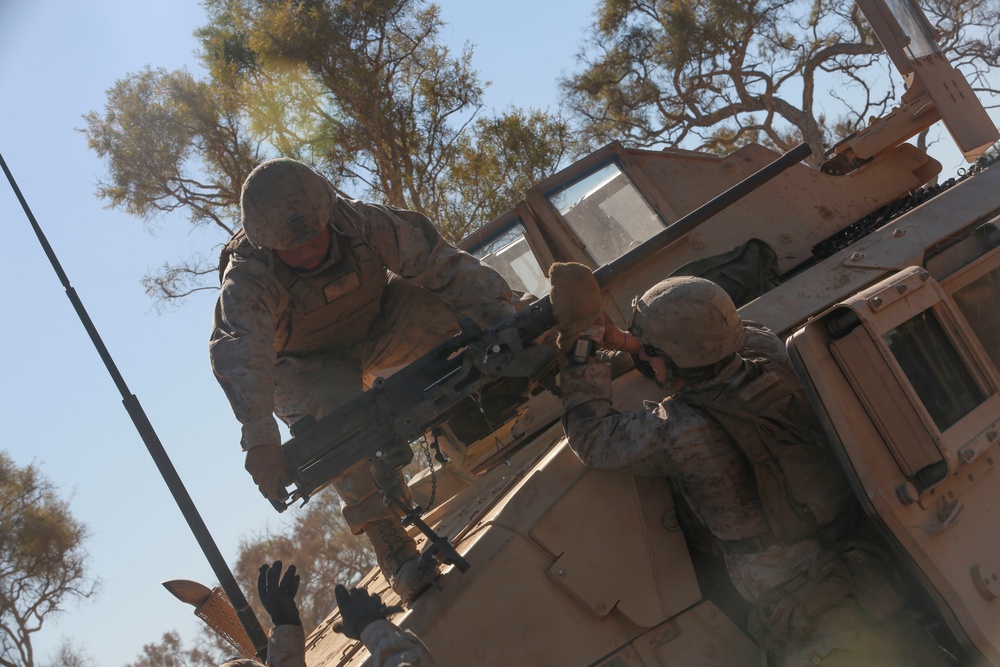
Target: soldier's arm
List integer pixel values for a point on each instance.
(601, 436)
(391, 646)
(412, 248)
(286, 646)
(242, 348)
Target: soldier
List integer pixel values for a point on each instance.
(286, 644)
(318, 291)
(747, 454)
(363, 617)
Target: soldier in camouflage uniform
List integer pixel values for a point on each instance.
(318, 291)
(786, 524)
(363, 617)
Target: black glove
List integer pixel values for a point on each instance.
(279, 598)
(358, 608)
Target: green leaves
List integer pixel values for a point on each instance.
(42, 560)
(715, 74)
(361, 89)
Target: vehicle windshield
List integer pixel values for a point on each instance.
(607, 212)
(509, 254)
(921, 41)
(977, 301)
(935, 369)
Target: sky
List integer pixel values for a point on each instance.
(59, 407)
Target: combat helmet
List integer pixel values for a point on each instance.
(691, 320)
(284, 204)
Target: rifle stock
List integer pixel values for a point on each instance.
(381, 423)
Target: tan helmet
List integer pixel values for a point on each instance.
(692, 320)
(284, 204)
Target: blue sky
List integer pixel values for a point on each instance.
(58, 406)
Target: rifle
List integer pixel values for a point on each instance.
(380, 424)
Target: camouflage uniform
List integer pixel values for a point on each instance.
(389, 645)
(816, 598)
(298, 343)
(286, 646)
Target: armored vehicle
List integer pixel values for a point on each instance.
(885, 289)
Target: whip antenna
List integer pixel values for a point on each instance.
(227, 581)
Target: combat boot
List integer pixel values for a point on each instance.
(397, 554)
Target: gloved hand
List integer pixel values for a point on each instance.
(277, 597)
(358, 608)
(266, 464)
(576, 304)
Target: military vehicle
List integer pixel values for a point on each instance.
(885, 289)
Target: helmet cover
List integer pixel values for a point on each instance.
(691, 320)
(284, 203)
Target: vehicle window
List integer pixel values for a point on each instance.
(977, 301)
(607, 212)
(921, 43)
(935, 369)
(510, 255)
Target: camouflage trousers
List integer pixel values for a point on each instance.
(848, 609)
(411, 322)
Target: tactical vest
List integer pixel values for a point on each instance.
(329, 310)
(801, 486)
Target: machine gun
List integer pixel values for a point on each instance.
(380, 424)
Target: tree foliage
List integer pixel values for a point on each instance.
(42, 559)
(171, 651)
(323, 550)
(361, 89)
(717, 74)
(70, 655)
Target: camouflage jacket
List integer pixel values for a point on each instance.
(672, 438)
(286, 646)
(391, 646)
(255, 311)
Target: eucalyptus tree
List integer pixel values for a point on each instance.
(365, 91)
(716, 74)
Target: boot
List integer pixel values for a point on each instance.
(396, 553)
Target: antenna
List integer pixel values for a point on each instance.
(227, 581)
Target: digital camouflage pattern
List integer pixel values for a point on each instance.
(299, 343)
(389, 645)
(257, 316)
(286, 647)
(392, 646)
(812, 597)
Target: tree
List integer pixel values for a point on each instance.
(717, 74)
(323, 550)
(170, 651)
(70, 655)
(506, 155)
(361, 89)
(42, 559)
